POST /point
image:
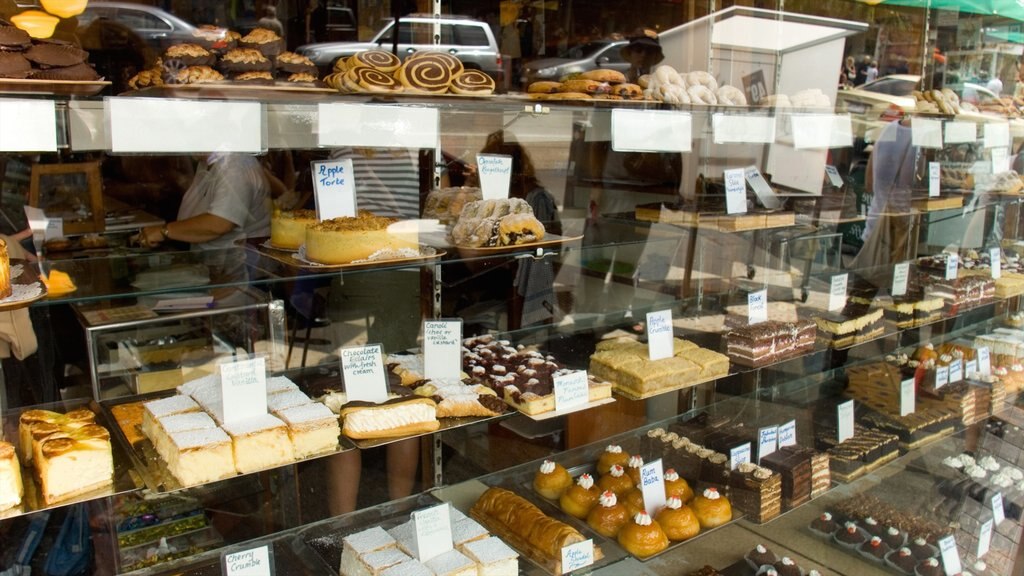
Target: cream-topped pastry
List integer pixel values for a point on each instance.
(452, 563)
(259, 443)
(673, 503)
(399, 418)
(156, 409)
(312, 427)
(175, 423)
(357, 546)
(493, 557)
(585, 481)
(200, 456)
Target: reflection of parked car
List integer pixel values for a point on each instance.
(341, 24)
(589, 56)
(468, 40)
(157, 28)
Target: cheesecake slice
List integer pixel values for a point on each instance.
(313, 429)
(200, 456)
(11, 488)
(176, 423)
(157, 409)
(73, 463)
(259, 443)
(493, 557)
(74, 418)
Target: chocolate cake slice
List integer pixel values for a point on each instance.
(793, 464)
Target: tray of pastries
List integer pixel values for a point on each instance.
(492, 227)
(52, 67)
(58, 454)
(423, 73)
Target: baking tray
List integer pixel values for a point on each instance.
(152, 469)
(52, 87)
(295, 259)
(549, 241)
(126, 479)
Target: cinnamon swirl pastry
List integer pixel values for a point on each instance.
(365, 79)
(453, 63)
(427, 74)
(381, 59)
(473, 82)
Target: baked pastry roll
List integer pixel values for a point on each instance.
(400, 417)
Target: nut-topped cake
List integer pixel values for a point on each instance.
(344, 240)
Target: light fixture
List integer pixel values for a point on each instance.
(37, 23)
(64, 8)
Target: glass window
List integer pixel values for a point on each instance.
(138, 20)
(892, 86)
(470, 36)
(613, 53)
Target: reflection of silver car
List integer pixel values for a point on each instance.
(157, 28)
(471, 41)
(589, 56)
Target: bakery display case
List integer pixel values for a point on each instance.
(611, 323)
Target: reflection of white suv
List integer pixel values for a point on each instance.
(468, 40)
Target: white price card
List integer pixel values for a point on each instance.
(941, 376)
(495, 171)
(243, 386)
(837, 292)
(652, 485)
(984, 361)
(651, 131)
(961, 132)
(984, 538)
(578, 555)
(571, 390)
(995, 257)
(844, 420)
(950, 556)
(334, 189)
(29, 125)
(767, 441)
(926, 133)
(739, 455)
(787, 434)
(363, 368)
(998, 512)
(757, 307)
(970, 368)
(812, 130)
(376, 126)
(54, 228)
(442, 349)
(185, 126)
(952, 266)
(761, 189)
(252, 562)
(997, 135)
(745, 129)
(659, 335)
(900, 275)
(934, 179)
(433, 531)
(956, 371)
(735, 192)
(1000, 160)
(833, 176)
(908, 397)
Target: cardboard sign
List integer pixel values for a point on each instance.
(956, 371)
(433, 531)
(934, 179)
(833, 176)
(984, 538)
(844, 420)
(1000, 160)
(754, 87)
(739, 455)
(952, 264)
(651, 131)
(760, 186)
(29, 125)
(757, 307)
(578, 555)
(571, 390)
(950, 556)
(767, 441)
(375, 126)
(442, 349)
(251, 562)
(995, 257)
(900, 276)
(941, 376)
(334, 189)
(365, 379)
(166, 125)
(652, 485)
(961, 132)
(659, 335)
(997, 134)
(984, 361)
(998, 512)
(735, 192)
(908, 397)
(787, 434)
(837, 292)
(745, 129)
(926, 133)
(243, 386)
(495, 171)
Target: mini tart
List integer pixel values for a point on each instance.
(712, 509)
(551, 480)
(634, 501)
(613, 454)
(608, 517)
(677, 486)
(678, 520)
(633, 468)
(643, 536)
(616, 481)
(579, 498)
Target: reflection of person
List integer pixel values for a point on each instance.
(270, 21)
(849, 73)
(872, 72)
(227, 202)
(643, 53)
(890, 176)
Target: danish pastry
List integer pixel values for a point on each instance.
(473, 82)
(366, 79)
(453, 64)
(426, 74)
(380, 59)
(189, 55)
